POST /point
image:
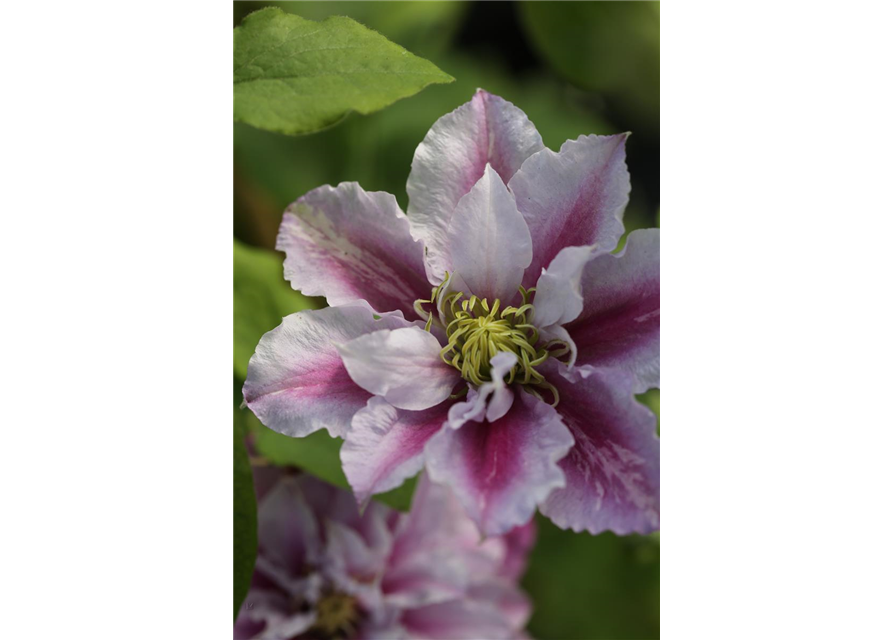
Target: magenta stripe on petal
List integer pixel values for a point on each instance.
(613, 470)
(385, 445)
(501, 471)
(348, 244)
(572, 198)
(297, 382)
(452, 158)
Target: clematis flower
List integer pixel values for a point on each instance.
(324, 571)
(490, 336)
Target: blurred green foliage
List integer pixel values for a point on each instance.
(585, 587)
(606, 47)
(574, 68)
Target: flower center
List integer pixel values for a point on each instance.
(336, 615)
(478, 329)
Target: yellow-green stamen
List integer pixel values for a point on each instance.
(336, 615)
(478, 329)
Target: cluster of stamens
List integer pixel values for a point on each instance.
(337, 615)
(478, 329)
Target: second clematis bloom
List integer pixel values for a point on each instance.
(325, 572)
(490, 336)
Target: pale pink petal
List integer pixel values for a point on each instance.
(452, 158)
(385, 445)
(347, 551)
(558, 296)
(557, 332)
(436, 519)
(288, 531)
(348, 244)
(619, 327)
(329, 502)
(613, 470)
(454, 283)
(500, 396)
(504, 595)
(332, 503)
(263, 619)
(420, 580)
(457, 620)
(501, 471)
(433, 550)
(573, 198)
(382, 630)
(474, 407)
(518, 542)
(489, 241)
(297, 383)
(403, 366)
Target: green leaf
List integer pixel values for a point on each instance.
(297, 76)
(261, 298)
(244, 517)
(319, 455)
(425, 28)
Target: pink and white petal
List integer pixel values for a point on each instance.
(329, 502)
(613, 470)
(489, 241)
(349, 554)
(473, 408)
(559, 298)
(457, 620)
(454, 283)
(573, 198)
(505, 596)
(438, 553)
(518, 544)
(499, 395)
(337, 505)
(438, 526)
(289, 626)
(377, 630)
(247, 628)
(260, 619)
(436, 519)
(263, 607)
(385, 445)
(297, 383)
(348, 244)
(439, 575)
(501, 471)
(619, 327)
(287, 530)
(403, 366)
(557, 332)
(452, 158)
